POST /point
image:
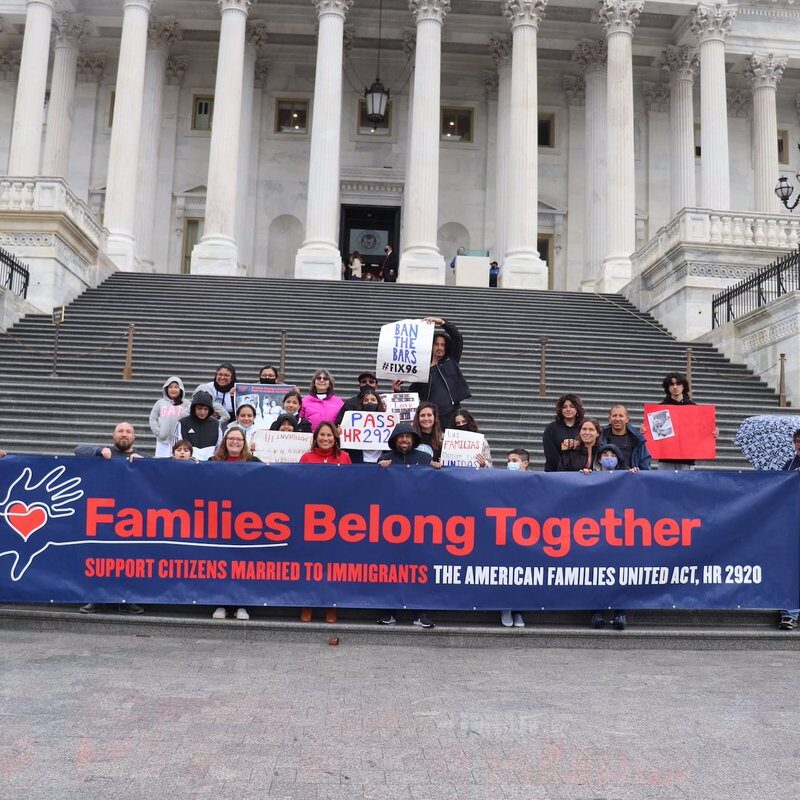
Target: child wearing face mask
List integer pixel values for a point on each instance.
(609, 458)
(517, 460)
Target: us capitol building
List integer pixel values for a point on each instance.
(596, 145)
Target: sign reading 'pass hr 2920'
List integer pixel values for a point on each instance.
(404, 350)
(163, 531)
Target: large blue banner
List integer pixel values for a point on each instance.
(78, 530)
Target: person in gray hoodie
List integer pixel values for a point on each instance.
(173, 406)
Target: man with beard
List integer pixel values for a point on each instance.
(122, 447)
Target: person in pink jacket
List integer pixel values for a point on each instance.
(321, 404)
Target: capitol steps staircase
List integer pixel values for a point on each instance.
(600, 347)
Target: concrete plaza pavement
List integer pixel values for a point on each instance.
(98, 716)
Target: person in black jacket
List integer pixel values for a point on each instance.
(199, 427)
(562, 433)
(446, 386)
(582, 458)
(366, 380)
(389, 265)
(403, 444)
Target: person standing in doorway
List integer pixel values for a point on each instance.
(389, 265)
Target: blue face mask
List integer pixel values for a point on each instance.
(609, 462)
(514, 466)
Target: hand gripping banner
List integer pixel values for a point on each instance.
(158, 531)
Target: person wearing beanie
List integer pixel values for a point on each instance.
(199, 427)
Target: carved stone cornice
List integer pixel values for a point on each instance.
(338, 7)
(575, 89)
(712, 21)
(619, 16)
(656, 96)
(524, 12)
(91, 67)
(681, 63)
(500, 49)
(409, 41)
(764, 71)
(256, 33)
(9, 64)
(738, 102)
(176, 69)
(591, 55)
(435, 10)
(348, 34)
(261, 73)
(163, 33)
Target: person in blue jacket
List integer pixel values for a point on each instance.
(629, 441)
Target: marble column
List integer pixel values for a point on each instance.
(570, 270)
(90, 68)
(319, 256)
(619, 18)
(681, 64)
(764, 73)
(217, 252)
(123, 158)
(71, 29)
(9, 70)
(421, 261)
(409, 43)
(26, 131)
(255, 37)
(162, 34)
(711, 23)
(501, 54)
(591, 57)
(522, 266)
(657, 103)
(168, 241)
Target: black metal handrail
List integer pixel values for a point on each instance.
(14, 275)
(763, 287)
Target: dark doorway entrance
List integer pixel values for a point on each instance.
(368, 229)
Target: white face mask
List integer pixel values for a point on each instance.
(514, 466)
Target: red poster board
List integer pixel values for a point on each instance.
(681, 433)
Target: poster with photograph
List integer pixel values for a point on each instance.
(267, 399)
(681, 433)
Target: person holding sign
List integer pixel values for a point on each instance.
(369, 401)
(292, 401)
(268, 375)
(404, 448)
(321, 404)
(446, 385)
(233, 447)
(366, 380)
(464, 421)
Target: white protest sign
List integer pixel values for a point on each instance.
(280, 447)
(402, 404)
(461, 448)
(366, 430)
(404, 350)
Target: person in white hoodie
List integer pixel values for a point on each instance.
(173, 406)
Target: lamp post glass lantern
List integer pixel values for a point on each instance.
(784, 190)
(377, 95)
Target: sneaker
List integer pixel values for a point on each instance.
(506, 620)
(519, 621)
(89, 608)
(424, 621)
(787, 623)
(387, 620)
(220, 613)
(241, 613)
(619, 622)
(598, 620)
(131, 608)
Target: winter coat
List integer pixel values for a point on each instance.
(165, 413)
(575, 460)
(317, 456)
(555, 433)
(414, 457)
(202, 433)
(446, 384)
(222, 402)
(316, 410)
(640, 455)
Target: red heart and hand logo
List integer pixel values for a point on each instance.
(24, 519)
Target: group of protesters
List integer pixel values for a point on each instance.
(210, 425)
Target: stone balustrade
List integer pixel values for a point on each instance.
(51, 196)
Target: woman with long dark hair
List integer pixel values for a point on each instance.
(582, 458)
(464, 420)
(427, 424)
(562, 433)
(222, 390)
